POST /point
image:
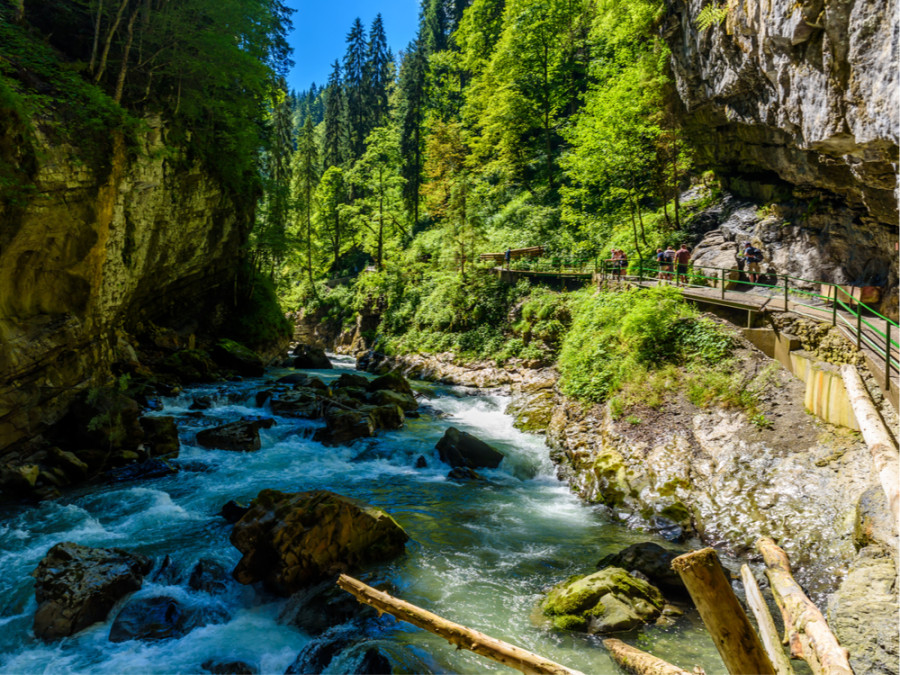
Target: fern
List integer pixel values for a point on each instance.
(711, 15)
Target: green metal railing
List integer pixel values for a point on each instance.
(792, 290)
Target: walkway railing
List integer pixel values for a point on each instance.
(830, 302)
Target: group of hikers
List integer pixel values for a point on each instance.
(673, 264)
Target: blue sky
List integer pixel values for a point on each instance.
(321, 27)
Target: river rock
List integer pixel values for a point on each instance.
(533, 411)
(235, 356)
(290, 541)
(351, 380)
(460, 448)
(464, 473)
(388, 397)
(863, 612)
(201, 403)
(76, 586)
(311, 358)
(320, 607)
(190, 366)
(651, 560)
(604, 602)
(217, 667)
(392, 381)
(233, 511)
(208, 576)
(240, 436)
(152, 468)
(345, 426)
(161, 618)
(385, 416)
(304, 403)
(160, 436)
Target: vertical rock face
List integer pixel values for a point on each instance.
(92, 249)
(805, 92)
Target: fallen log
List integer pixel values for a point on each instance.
(805, 628)
(725, 619)
(454, 633)
(767, 631)
(874, 431)
(633, 660)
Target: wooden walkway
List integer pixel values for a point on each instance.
(852, 325)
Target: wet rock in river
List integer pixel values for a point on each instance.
(310, 357)
(152, 468)
(304, 403)
(392, 381)
(459, 448)
(651, 560)
(344, 426)
(385, 416)
(235, 356)
(229, 667)
(421, 462)
(320, 607)
(76, 586)
(161, 618)
(604, 602)
(388, 397)
(233, 511)
(240, 436)
(533, 411)
(201, 403)
(160, 436)
(351, 380)
(667, 529)
(464, 473)
(290, 541)
(208, 576)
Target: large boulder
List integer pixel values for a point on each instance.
(311, 358)
(76, 586)
(459, 448)
(291, 541)
(385, 416)
(305, 403)
(160, 436)
(235, 356)
(344, 426)
(152, 468)
(322, 606)
(240, 436)
(351, 380)
(388, 397)
(160, 618)
(604, 602)
(651, 560)
(392, 381)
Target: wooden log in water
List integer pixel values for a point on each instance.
(738, 644)
(767, 631)
(633, 660)
(805, 628)
(874, 431)
(454, 633)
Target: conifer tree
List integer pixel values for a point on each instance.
(334, 145)
(355, 87)
(434, 26)
(306, 176)
(378, 73)
(410, 114)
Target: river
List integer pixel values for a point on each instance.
(480, 553)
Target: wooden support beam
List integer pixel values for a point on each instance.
(881, 445)
(731, 631)
(805, 628)
(766, 625)
(454, 633)
(633, 660)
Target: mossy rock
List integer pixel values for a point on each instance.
(612, 478)
(604, 602)
(677, 512)
(235, 356)
(191, 365)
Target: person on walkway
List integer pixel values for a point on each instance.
(623, 263)
(754, 257)
(669, 257)
(682, 258)
(507, 256)
(660, 262)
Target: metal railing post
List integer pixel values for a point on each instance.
(887, 353)
(834, 306)
(858, 324)
(723, 284)
(785, 292)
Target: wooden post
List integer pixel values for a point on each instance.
(734, 637)
(454, 633)
(884, 454)
(805, 628)
(633, 660)
(767, 630)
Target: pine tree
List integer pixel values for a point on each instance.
(334, 149)
(434, 26)
(378, 73)
(410, 113)
(306, 177)
(355, 87)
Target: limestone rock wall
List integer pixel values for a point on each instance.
(805, 92)
(91, 252)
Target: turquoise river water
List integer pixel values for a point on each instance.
(480, 554)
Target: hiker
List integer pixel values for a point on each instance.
(669, 257)
(753, 256)
(623, 263)
(682, 257)
(507, 256)
(660, 263)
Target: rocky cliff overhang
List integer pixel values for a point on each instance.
(90, 252)
(805, 92)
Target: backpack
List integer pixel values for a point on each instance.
(754, 255)
(669, 256)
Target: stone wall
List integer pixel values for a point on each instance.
(92, 253)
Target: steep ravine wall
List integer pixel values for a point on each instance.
(90, 253)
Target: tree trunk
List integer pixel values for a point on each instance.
(675, 180)
(96, 37)
(454, 633)
(805, 628)
(108, 43)
(380, 217)
(877, 437)
(123, 69)
(640, 215)
(636, 662)
(634, 207)
(766, 625)
(19, 14)
(728, 625)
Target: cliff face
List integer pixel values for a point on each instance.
(91, 252)
(806, 93)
